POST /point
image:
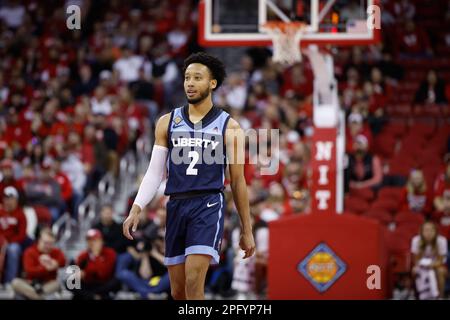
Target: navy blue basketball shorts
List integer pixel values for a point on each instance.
(194, 226)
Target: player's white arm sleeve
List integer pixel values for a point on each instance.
(153, 177)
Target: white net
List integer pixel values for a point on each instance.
(286, 39)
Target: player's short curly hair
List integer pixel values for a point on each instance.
(215, 66)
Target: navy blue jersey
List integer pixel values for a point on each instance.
(197, 154)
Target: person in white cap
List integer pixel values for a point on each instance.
(7, 175)
(364, 169)
(13, 226)
(97, 264)
(355, 127)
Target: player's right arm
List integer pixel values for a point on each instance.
(152, 178)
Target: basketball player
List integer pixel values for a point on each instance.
(195, 211)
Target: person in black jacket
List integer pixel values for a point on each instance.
(111, 230)
(431, 90)
(364, 169)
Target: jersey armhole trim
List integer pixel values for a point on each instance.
(168, 127)
(224, 129)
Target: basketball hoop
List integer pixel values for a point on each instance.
(286, 37)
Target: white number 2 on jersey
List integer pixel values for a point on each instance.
(195, 157)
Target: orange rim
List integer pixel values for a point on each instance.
(284, 26)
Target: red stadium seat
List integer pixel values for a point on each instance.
(420, 129)
(399, 109)
(356, 205)
(400, 261)
(384, 145)
(398, 246)
(394, 193)
(438, 143)
(43, 215)
(396, 129)
(397, 168)
(431, 158)
(431, 172)
(409, 229)
(366, 194)
(415, 75)
(409, 218)
(444, 231)
(413, 142)
(384, 217)
(427, 111)
(442, 130)
(397, 241)
(386, 204)
(349, 212)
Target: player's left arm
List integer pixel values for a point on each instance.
(235, 142)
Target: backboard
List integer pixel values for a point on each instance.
(335, 22)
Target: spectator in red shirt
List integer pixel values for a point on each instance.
(3, 142)
(18, 133)
(40, 264)
(364, 169)
(7, 173)
(356, 127)
(349, 87)
(413, 42)
(13, 226)
(442, 217)
(69, 194)
(297, 81)
(294, 177)
(94, 156)
(61, 178)
(97, 265)
(441, 185)
(416, 195)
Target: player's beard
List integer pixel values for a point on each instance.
(203, 96)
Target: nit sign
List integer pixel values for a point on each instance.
(324, 171)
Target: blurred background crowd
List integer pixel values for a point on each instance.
(77, 115)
